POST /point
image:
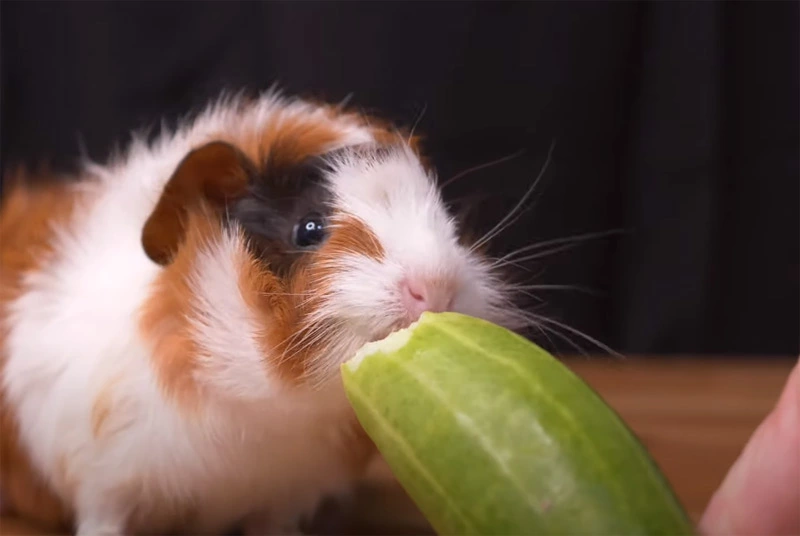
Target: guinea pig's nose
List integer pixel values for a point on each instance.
(420, 295)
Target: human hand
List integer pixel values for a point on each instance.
(760, 496)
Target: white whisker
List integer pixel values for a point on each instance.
(416, 123)
(538, 255)
(557, 241)
(323, 331)
(576, 288)
(284, 294)
(512, 214)
(548, 329)
(479, 167)
(578, 333)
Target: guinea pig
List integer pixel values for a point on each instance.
(172, 322)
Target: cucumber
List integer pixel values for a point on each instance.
(489, 434)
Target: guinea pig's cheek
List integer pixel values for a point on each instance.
(301, 285)
(473, 295)
(468, 301)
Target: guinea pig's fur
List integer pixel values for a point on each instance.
(169, 345)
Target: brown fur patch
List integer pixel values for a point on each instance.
(166, 313)
(211, 174)
(275, 308)
(286, 141)
(352, 236)
(27, 215)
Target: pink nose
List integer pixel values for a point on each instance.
(420, 295)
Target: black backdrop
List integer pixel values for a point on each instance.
(676, 122)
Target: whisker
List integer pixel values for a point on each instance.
(320, 369)
(502, 224)
(310, 340)
(288, 342)
(544, 332)
(539, 255)
(313, 328)
(577, 332)
(306, 330)
(297, 251)
(305, 302)
(416, 123)
(285, 293)
(529, 294)
(575, 288)
(565, 339)
(498, 264)
(557, 241)
(345, 101)
(481, 166)
(508, 224)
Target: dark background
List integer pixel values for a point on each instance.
(674, 121)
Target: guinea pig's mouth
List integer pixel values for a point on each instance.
(381, 334)
(404, 318)
(401, 323)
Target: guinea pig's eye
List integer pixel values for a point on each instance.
(310, 230)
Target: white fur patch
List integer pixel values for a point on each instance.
(224, 325)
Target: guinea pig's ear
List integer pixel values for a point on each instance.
(211, 174)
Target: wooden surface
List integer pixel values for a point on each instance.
(693, 415)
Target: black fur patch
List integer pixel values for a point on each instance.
(277, 199)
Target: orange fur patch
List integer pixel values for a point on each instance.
(209, 175)
(27, 217)
(352, 236)
(285, 140)
(166, 312)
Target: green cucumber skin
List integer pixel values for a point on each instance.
(560, 462)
